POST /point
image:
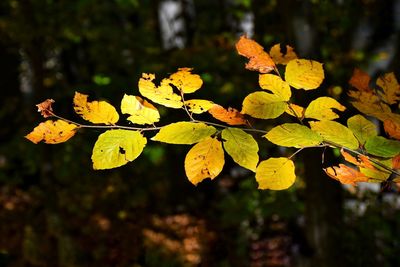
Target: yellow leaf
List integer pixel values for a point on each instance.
(279, 58)
(304, 74)
(391, 88)
(185, 81)
(198, 106)
(230, 116)
(362, 128)
(335, 132)
(276, 85)
(295, 110)
(184, 133)
(241, 146)
(204, 160)
(259, 60)
(370, 104)
(115, 148)
(293, 135)
(52, 132)
(140, 111)
(275, 174)
(162, 94)
(321, 108)
(345, 174)
(95, 111)
(263, 105)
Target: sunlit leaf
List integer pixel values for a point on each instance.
(382, 147)
(392, 128)
(321, 108)
(362, 128)
(278, 57)
(95, 111)
(198, 106)
(230, 116)
(276, 85)
(275, 174)
(376, 174)
(370, 104)
(360, 80)
(345, 174)
(335, 132)
(52, 132)
(259, 60)
(140, 111)
(184, 133)
(293, 135)
(304, 74)
(162, 94)
(185, 81)
(241, 146)
(295, 110)
(390, 87)
(115, 148)
(204, 160)
(263, 105)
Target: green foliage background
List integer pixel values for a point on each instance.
(56, 211)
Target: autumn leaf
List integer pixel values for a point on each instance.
(295, 110)
(184, 133)
(162, 94)
(396, 162)
(140, 111)
(275, 174)
(278, 57)
(259, 60)
(241, 146)
(115, 148)
(204, 160)
(362, 128)
(52, 132)
(382, 147)
(45, 108)
(335, 132)
(370, 104)
(321, 108)
(345, 174)
(185, 81)
(230, 116)
(360, 80)
(198, 106)
(262, 105)
(95, 111)
(275, 85)
(390, 87)
(293, 135)
(304, 74)
(392, 128)
(360, 161)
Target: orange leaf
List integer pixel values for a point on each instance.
(259, 60)
(231, 116)
(345, 174)
(348, 157)
(392, 128)
(360, 80)
(52, 132)
(45, 108)
(360, 161)
(396, 162)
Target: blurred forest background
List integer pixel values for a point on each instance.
(56, 211)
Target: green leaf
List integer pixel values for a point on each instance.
(184, 133)
(115, 148)
(275, 174)
(263, 105)
(382, 147)
(293, 135)
(321, 109)
(242, 147)
(335, 132)
(362, 128)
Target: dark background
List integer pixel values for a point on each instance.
(56, 211)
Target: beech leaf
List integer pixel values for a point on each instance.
(185, 81)
(241, 146)
(140, 111)
(276, 85)
(204, 160)
(293, 135)
(278, 57)
(263, 105)
(390, 87)
(295, 110)
(392, 128)
(45, 108)
(275, 174)
(335, 132)
(346, 174)
(360, 80)
(321, 108)
(362, 128)
(304, 74)
(382, 147)
(230, 116)
(52, 132)
(198, 106)
(184, 133)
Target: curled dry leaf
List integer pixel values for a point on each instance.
(230, 116)
(346, 174)
(390, 87)
(52, 132)
(259, 60)
(45, 108)
(278, 57)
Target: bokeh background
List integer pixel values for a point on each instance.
(56, 211)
